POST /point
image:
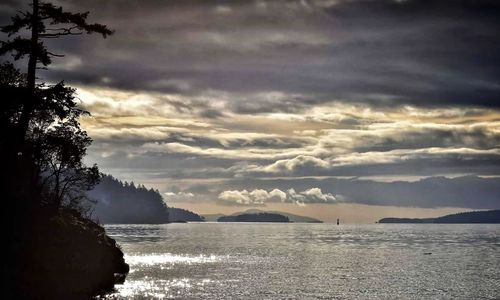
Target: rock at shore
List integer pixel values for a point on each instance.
(64, 256)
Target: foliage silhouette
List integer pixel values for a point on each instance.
(52, 164)
(42, 135)
(44, 180)
(44, 21)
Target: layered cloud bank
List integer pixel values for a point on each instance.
(256, 102)
(261, 197)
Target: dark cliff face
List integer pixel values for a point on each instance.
(65, 257)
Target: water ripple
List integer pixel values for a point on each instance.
(309, 261)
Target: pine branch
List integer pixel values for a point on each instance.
(59, 16)
(54, 54)
(56, 35)
(17, 24)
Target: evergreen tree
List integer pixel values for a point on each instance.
(118, 202)
(41, 141)
(44, 21)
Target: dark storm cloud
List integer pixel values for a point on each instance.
(479, 138)
(257, 95)
(383, 52)
(173, 166)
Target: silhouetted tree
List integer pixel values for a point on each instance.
(56, 142)
(44, 21)
(12, 86)
(10, 76)
(60, 150)
(41, 152)
(41, 142)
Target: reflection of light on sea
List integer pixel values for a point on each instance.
(157, 289)
(152, 288)
(158, 259)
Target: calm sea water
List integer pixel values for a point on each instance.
(310, 261)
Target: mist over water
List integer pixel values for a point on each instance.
(309, 261)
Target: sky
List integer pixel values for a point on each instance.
(351, 109)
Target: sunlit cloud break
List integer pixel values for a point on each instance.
(259, 197)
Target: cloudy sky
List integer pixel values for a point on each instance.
(354, 109)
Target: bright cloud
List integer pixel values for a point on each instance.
(259, 197)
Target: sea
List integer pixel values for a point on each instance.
(309, 261)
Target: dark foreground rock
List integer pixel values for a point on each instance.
(63, 256)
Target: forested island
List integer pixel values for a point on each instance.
(475, 217)
(176, 215)
(118, 202)
(258, 217)
(291, 217)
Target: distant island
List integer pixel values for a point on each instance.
(475, 217)
(291, 217)
(258, 217)
(212, 217)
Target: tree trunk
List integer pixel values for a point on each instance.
(24, 181)
(29, 102)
